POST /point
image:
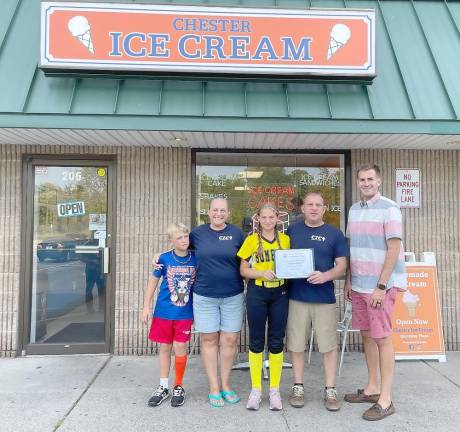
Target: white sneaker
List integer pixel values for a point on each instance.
(255, 397)
(275, 400)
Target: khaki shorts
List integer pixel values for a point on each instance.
(300, 319)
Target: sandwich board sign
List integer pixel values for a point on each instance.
(417, 324)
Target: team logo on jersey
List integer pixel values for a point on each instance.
(180, 281)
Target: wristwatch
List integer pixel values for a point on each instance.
(383, 287)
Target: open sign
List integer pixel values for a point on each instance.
(76, 208)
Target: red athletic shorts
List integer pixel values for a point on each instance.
(169, 331)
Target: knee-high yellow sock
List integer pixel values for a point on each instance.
(276, 366)
(255, 366)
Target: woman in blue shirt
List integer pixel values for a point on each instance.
(218, 297)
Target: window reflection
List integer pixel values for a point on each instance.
(248, 180)
(69, 232)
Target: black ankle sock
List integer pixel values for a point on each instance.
(300, 384)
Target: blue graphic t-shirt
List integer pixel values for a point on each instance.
(174, 300)
(218, 268)
(328, 243)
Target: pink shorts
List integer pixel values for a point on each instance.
(375, 320)
(169, 331)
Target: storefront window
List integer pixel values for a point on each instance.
(248, 180)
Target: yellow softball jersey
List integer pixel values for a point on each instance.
(267, 261)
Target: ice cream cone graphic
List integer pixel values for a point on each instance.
(81, 30)
(340, 34)
(411, 302)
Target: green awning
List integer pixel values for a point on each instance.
(417, 89)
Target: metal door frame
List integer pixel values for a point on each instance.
(27, 220)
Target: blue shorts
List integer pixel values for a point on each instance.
(218, 314)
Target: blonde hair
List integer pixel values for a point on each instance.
(260, 249)
(315, 192)
(175, 228)
(222, 198)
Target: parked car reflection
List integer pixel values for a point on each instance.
(58, 249)
(67, 291)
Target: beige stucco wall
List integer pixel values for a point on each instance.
(154, 188)
(10, 214)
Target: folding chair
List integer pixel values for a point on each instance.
(343, 328)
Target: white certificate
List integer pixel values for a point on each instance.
(294, 263)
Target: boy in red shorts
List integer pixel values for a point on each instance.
(173, 314)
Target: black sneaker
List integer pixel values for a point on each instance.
(158, 396)
(178, 396)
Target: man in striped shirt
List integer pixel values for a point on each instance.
(376, 273)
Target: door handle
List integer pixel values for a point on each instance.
(106, 260)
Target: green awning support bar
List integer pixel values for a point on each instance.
(245, 87)
(326, 91)
(451, 17)
(120, 84)
(76, 84)
(10, 25)
(160, 97)
(286, 93)
(203, 96)
(433, 59)
(366, 91)
(29, 91)
(401, 76)
(449, 11)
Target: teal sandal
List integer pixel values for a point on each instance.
(230, 397)
(216, 400)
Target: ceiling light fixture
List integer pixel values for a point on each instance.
(177, 139)
(250, 174)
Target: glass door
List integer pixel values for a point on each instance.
(69, 259)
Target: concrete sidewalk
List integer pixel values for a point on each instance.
(107, 393)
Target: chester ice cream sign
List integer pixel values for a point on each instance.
(210, 40)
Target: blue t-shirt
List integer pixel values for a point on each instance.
(174, 300)
(218, 268)
(328, 244)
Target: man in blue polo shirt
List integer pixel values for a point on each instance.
(312, 300)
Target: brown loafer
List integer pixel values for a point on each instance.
(376, 412)
(361, 397)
